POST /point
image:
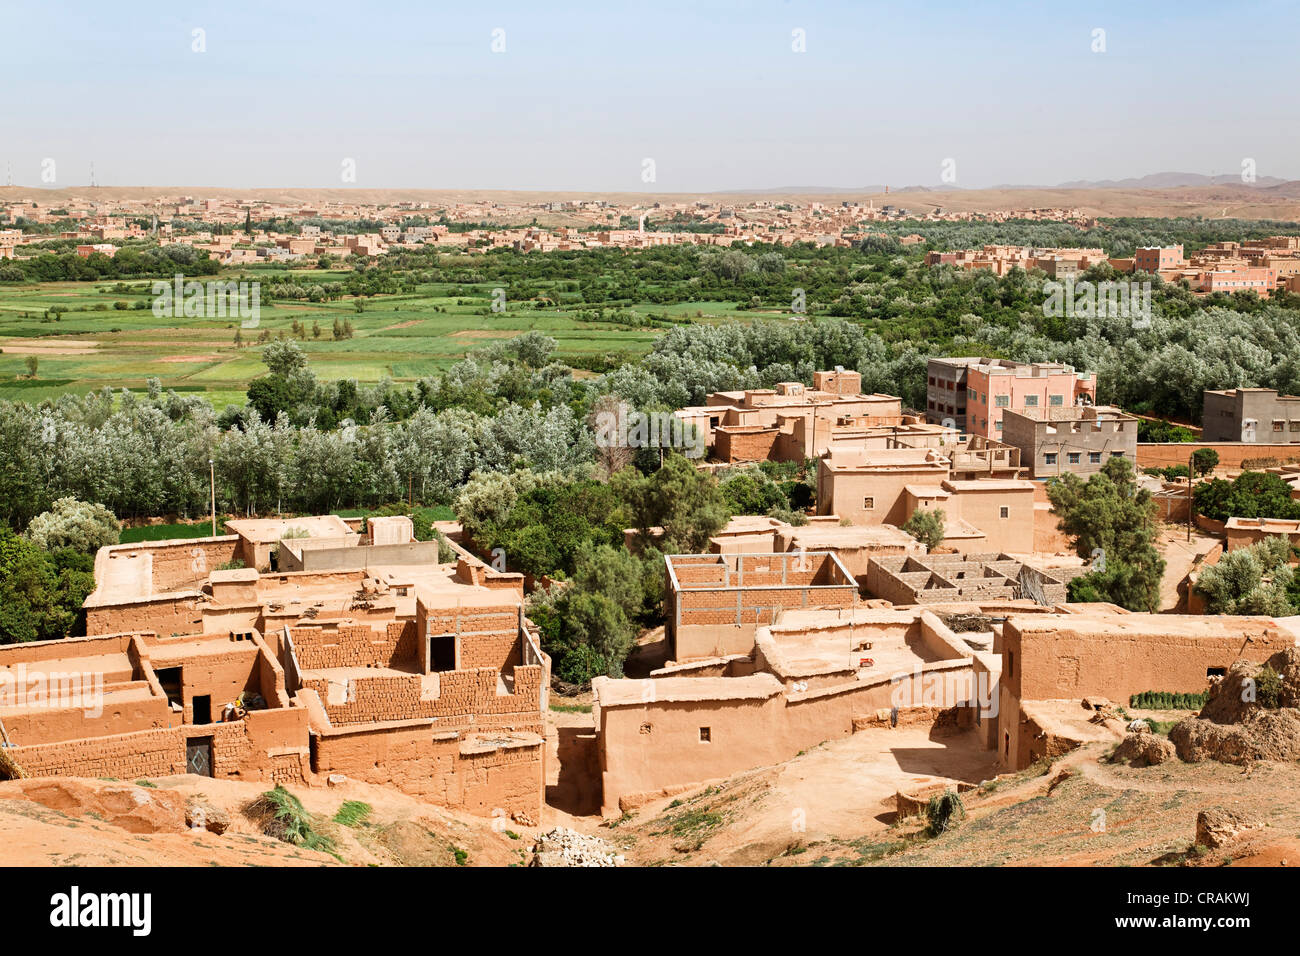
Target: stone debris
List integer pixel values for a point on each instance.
(1144, 749)
(1217, 827)
(565, 847)
(204, 816)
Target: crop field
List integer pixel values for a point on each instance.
(106, 338)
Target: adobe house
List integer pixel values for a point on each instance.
(142, 705)
(867, 487)
(1051, 662)
(790, 422)
(423, 676)
(714, 603)
(960, 578)
(1244, 532)
(815, 675)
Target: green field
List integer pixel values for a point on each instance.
(405, 336)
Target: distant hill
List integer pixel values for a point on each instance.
(1167, 181)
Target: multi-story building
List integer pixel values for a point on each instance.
(1252, 415)
(1155, 259)
(1053, 441)
(971, 394)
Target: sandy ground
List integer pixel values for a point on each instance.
(60, 821)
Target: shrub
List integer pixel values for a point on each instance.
(288, 820)
(943, 812)
(927, 526)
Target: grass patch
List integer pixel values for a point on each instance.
(286, 819)
(571, 708)
(353, 813)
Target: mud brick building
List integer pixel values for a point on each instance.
(716, 602)
(421, 675)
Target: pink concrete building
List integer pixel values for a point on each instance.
(972, 393)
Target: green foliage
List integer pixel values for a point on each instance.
(590, 625)
(1268, 688)
(1204, 460)
(679, 498)
(927, 526)
(1149, 431)
(41, 592)
(1252, 580)
(74, 524)
(1252, 494)
(1167, 700)
(748, 491)
(353, 813)
(1109, 515)
(289, 821)
(541, 522)
(943, 812)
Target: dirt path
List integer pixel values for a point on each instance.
(1180, 556)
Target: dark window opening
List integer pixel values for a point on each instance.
(706, 735)
(442, 653)
(170, 679)
(203, 709)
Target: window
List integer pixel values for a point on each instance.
(706, 735)
(1094, 458)
(1056, 400)
(1004, 512)
(1002, 401)
(997, 426)
(1031, 401)
(1074, 457)
(1117, 454)
(1050, 458)
(1011, 662)
(868, 504)
(1295, 426)
(1277, 424)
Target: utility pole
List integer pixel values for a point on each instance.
(212, 487)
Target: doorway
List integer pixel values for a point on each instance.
(442, 653)
(198, 756)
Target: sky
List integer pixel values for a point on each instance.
(627, 95)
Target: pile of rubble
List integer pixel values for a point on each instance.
(565, 847)
(1253, 713)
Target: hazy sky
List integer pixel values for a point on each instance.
(713, 92)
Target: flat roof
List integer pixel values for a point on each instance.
(270, 530)
(988, 484)
(634, 693)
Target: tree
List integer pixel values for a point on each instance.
(74, 524)
(32, 363)
(927, 526)
(679, 498)
(1113, 523)
(41, 593)
(1253, 494)
(1253, 580)
(1204, 460)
